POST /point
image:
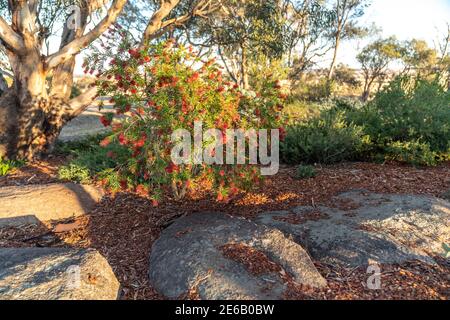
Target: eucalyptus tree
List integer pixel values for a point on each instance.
(33, 110)
(345, 27)
(375, 59)
(36, 107)
(308, 23)
(241, 31)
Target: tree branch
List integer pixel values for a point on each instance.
(157, 27)
(10, 38)
(79, 104)
(78, 44)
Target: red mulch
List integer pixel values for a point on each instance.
(255, 261)
(310, 215)
(123, 228)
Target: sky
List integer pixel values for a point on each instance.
(406, 19)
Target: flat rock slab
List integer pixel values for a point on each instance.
(365, 228)
(31, 204)
(55, 274)
(188, 256)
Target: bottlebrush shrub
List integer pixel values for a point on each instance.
(163, 88)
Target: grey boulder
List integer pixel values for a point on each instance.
(55, 274)
(188, 257)
(365, 228)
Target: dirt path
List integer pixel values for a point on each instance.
(87, 124)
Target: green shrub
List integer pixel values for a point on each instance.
(90, 159)
(408, 121)
(305, 172)
(412, 152)
(300, 111)
(74, 172)
(7, 166)
(327, 139)
(317, 91)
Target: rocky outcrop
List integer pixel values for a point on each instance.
(55, 274)
(190, 256)
(29, 204)
(363, 228)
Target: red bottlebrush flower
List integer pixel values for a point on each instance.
(282, 133)
(116, 127)
(141, 142)
(133, 91)
(220, 89)
(222, 173)
(194, 77)
(142, 190)
(155, 203)
(185, 108)
(106, 122)
(277, 84)
(105, 142)
(136, 153)
(174, 80)
(118, 77)
(171, 168)
(122, 139)
(123, 184)
(111, 154)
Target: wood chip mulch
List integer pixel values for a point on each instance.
(310, 215)
(123, 228)
(255, 261)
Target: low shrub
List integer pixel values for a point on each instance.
(327, 139)
(89, 159)
(74, 172)
(7, 166)
(409, 121)
(412, 152)
(305, 172)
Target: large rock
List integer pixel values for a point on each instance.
(365, 228)
(29, 204)
(55, 274)
(188, 256)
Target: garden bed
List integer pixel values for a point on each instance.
(124, 227)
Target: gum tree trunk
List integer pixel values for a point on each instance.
(32, 113)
